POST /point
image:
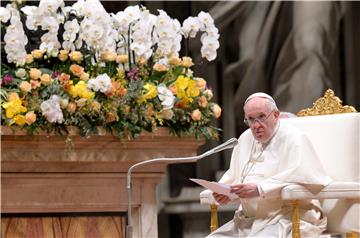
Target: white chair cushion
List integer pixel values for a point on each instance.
(348, 190)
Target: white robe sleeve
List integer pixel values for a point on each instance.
(299, 164)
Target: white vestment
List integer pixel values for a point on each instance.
(286, 159)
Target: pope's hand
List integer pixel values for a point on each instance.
(221, 198)
(245, 190)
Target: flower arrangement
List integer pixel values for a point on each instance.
(92, 69)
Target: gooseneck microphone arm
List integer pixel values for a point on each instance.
(226, 145)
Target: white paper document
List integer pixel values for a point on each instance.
(220, 188)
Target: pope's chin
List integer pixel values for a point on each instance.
(261, 137)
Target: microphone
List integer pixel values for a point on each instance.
(224, 146)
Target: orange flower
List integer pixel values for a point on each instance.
(34, 73)
(45, 79)
(29, 59)
(76, 70)
(35, 84)
(76, 56)
(200, 83)
(121, 59)
(167, 114)
(30, 117)
(25, 86)
(116, 89)
(187, 62)
(174, 60)
(37, 54)
(108, 56)
(111, 117)
(159, 67)
(63, 55)
(216, 110)
(71, 107)
(202, 101)
(150, 111)
(196, 115)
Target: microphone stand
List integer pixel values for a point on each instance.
(226, 145)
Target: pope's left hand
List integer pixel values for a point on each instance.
(245, 190)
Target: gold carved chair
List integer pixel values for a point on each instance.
(334, 130)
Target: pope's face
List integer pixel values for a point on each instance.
(261, 119)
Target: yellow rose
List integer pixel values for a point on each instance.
(45, 79)
(196, 115)
(63, 55)
(71, 107)
(25, 86)
(34, 73)
(30, 117)
(174, 60)
(151, 91)
(216, 110)
(192, 90)
(187, 62)
(76, 56)
(19, 120)
(37, 54)
(108, 56)
(159, 67)
(29, 59)
(13, 106)
(76, 70)
(121, 59)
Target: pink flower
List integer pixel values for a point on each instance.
(8, 78)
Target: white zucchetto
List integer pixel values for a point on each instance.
(259, 95)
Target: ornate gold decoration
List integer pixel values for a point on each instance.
(352, 235)
(214, 218)
(328, 104)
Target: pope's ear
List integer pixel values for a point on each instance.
(277, 114)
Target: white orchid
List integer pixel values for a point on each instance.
(15, 41)
(134, 30)
(51, 109)
(50, 6)
(166, 97)
(69, 36)
(191, 27)
(4, 14)
(205, 19)
(101, 83)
